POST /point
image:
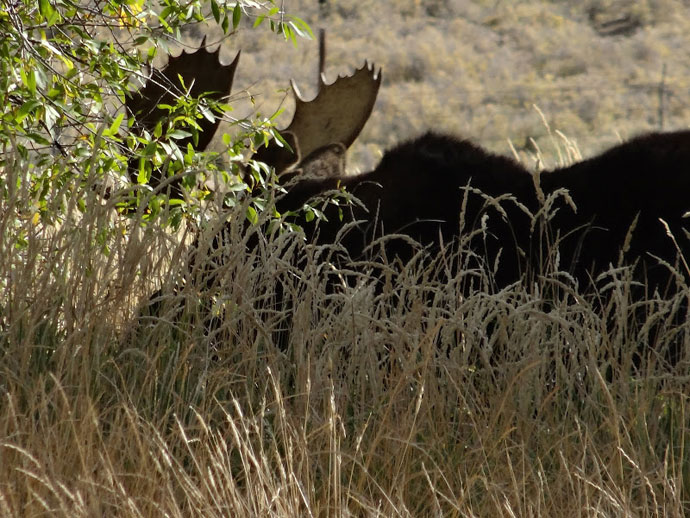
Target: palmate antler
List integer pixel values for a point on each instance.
(201, 73)
(333, 119)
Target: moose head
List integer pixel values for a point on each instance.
(318, 136)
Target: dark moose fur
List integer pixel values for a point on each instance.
(419, 187)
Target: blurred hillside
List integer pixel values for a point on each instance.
(598, 70)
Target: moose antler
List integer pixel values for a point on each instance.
(335, 116)
(201, 70)
(201, 73)
(338, 112)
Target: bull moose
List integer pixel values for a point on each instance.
(624, 207)
(623, 201)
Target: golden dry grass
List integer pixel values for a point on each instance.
(410, 400)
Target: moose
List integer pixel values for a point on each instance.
(624, 207)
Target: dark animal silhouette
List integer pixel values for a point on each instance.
(628, 188)
(417, 191)
(420, 186)
(437, 189)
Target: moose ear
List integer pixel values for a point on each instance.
(201, 72)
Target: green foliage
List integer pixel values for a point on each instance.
(65, 72)
(289, 26)
(75, 188)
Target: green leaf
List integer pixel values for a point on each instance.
(143, 176)
(236, 14)
(164, 14)
(115, 126)
(26, 109)
(47, 11)
(215, 10)
(260, 204)
(237, 187)
(178, 134)
(150, 149)
(252, 215)
(301, 27)
(292, 35)
(29, 80)
(51, 115)
(207, 113)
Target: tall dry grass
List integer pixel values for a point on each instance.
(395, 394)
